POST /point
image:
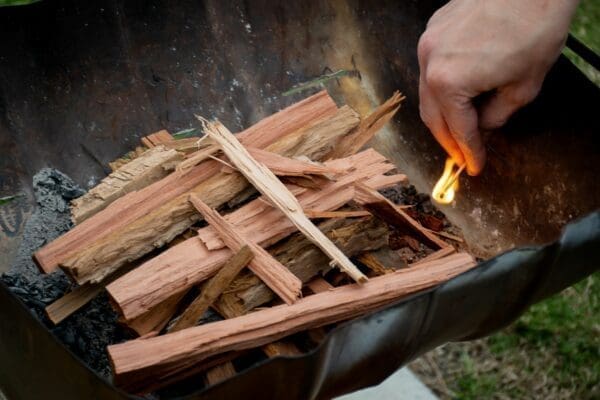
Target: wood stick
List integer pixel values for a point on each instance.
(72, 301)
(371, 261)
(213, 289)
(191, 262)
(378, 205)
(319, 285)
(66, 305)
(170, 218)
(220, 373)
(304, 259)
(155, 320)
(268, 184)
(368, 127)
(148, 168)
(143, 220)
(336, 214)
(269, 270)
(447, 236)
(259, 217)
(436, 255)
(152, 358)
(157, 138)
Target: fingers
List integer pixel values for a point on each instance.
(432, 117)
(505, 102)
(461, 117)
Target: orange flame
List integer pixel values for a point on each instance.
(445, 188)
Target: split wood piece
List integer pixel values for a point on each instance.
(213, 289)
(373, 261)
(157, 138)
(448, 236)
(185, 145)
(336, 214)
(151, 359)
(268, 184)
(219, 373)
(279, 165)
(198, 157)
(172, 217)
(72, 301)
(368, 127)
(155, 320)
(127, 158)
(436, 255)
(378, 205)
(141, 386)
(304, 259)
(259, 219)
(150, 167)
(281, 348)
(140, 221)
(152, 140)
(286, 166)
(191, 262)
(269, 270)
(319, 285)
(60, 309)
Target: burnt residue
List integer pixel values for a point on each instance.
(91, 329)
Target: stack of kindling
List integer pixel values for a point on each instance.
(308, 250)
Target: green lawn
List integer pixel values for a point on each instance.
(553, 351)
(586, 28)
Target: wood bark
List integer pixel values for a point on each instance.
(140, 221)
(267, 183)
(153, 358)
(213, 289)
(268, 269)
(148, 168)
(191, 262)
(377, 204)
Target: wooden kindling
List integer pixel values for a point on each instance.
(192, 261)
(153, 358)
(305, 260)
(213, 289)
(151, 166)
(268, 184)
(145, 219)
(269, 270)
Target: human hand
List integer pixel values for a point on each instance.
(502, 48)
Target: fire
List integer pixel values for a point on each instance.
(445, 189)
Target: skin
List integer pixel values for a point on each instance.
(495, 51)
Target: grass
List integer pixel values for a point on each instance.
(586, 28)
(551, 352)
